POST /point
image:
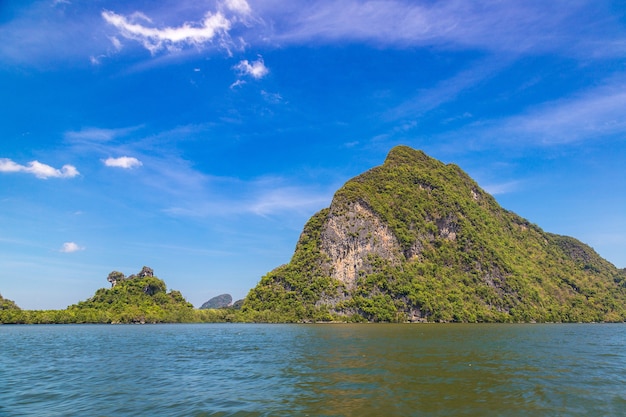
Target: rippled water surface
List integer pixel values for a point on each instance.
(315, 370)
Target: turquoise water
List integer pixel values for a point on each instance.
(313, 370)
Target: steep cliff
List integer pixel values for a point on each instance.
(419, 240)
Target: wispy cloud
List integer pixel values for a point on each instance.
(126, 162)
(255, 69)
(38, 169)
(70, 247)
(276, 200)
(42, 32)
(591, 115)
(213, 28)
(154, 39)
(96, 134)
(273, 98)
(261, 197)
(237, 83)
(521, 27)
(502, 188)
(447, 90)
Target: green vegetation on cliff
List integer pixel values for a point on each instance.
(137, 300)
(419, 240)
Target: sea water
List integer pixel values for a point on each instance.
(313, 370)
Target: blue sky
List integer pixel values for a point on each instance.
(197, 137)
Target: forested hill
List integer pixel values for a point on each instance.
(138, 298)
(418, 240)
(6, 304)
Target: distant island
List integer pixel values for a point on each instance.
(412, 240)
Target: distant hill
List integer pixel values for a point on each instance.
(138, 298)
(220, 301)
(418, 240)
(6, 304)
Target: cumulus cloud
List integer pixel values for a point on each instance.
(126, 162)
(255, 69)
(70, 247)
(38, 169)
(213, 27)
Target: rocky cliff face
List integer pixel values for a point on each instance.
(352, 236)
(416, 239)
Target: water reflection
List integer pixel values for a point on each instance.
(371, 370)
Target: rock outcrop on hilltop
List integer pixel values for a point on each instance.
(115, 276)
(418, 240)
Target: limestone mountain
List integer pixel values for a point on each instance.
(220, 301)
(418, 240)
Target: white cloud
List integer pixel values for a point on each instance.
(116, 43)
(214, 26)
(237, 83)
(38, 169)
(238, 6)
(70, 247)
(125, 162)
(255, 69)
